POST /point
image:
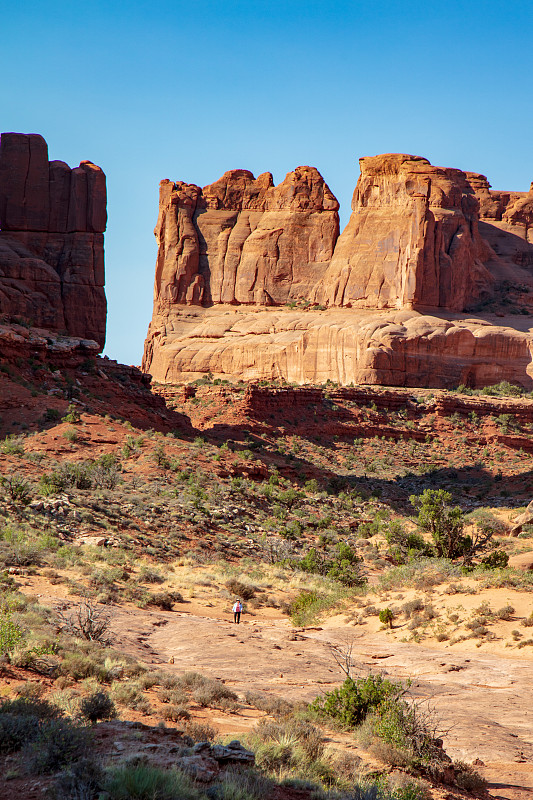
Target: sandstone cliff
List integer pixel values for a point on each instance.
(52, 220)
(242, 240)
(412, 239)
(236, 255)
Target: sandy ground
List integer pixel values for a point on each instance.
(483, 699)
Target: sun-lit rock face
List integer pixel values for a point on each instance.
(420, 239)
(52, 220)
(412, 239)
(243, 240)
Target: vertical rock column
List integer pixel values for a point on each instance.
(52, 220)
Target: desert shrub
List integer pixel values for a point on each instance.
(150, 575)
(272, 705)
(97, 706)
(242, 785)
(506, 612)
(468, 779)
(444, 522)
(73, 415)
(351, 702)
(129, 695)
(16, 489)
(80, 666)
(87, 621)
(58, 743)
(407, 727)
(498, 559)
(211, 693)
(199, 731)
(412, 606)
(162, 600)
(11, 633)
(292, 746)
(243, 590)
(174, 713)
(343, 565)
(51, 415)
(12, 446)
(21, 720)
(386, 615)
(143, 782)
(192, 680)
(16, 730)
(83, 780)
(305, 607)
(404, 546)
(71, 435)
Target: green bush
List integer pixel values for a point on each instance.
(16, 489)
(386, 616)
(143, 782)
(81, 781)
(59, 743)
(343, 565)
(405, 546)
(498, 559)
(11, 634)
(97, 706)
(351, 702)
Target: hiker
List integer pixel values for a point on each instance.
(237, 608)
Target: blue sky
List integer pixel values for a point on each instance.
(188, 90)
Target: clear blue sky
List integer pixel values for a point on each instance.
(168, 89)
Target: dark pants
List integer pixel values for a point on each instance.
(236, 616)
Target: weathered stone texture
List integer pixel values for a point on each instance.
(420, 239)
(52, 221)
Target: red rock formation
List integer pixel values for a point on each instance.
(244, 240)
(52, 221)
(414, 240)
(506, 224)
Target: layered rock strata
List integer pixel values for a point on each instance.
(52, 220)
(420, 239)
(389, 348)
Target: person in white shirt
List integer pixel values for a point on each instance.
(237, 609)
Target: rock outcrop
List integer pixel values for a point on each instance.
(52, 220)
(242, 240)
(424, 242)
(412, 239)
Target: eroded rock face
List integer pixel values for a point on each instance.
(389, 348)
(52, 220)
(412, 239)
(420, 239)
(243, 240)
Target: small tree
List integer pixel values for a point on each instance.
(386, 615)
(87, 621)
(444, 522)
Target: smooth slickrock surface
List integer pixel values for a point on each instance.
(422, 241)
(52, 220)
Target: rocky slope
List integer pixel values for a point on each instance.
(52, 220)
(254, 281)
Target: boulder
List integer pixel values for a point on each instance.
(523, 561)
(200, 768)
(234, 752)
(525, 518)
